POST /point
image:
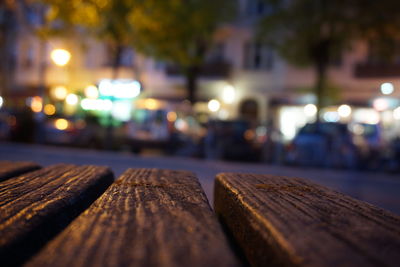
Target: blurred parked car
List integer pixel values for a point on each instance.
(370, 143)
(394, 164)
(7, 123)
(22, 125)
(231, 140)
(323, 144)
(72, 132)
(148, 129)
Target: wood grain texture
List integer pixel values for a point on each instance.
(281, 221)
(148, 217)
(37, 205)
(10, 169)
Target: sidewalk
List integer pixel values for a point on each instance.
(379, 189)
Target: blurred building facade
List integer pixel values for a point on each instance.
(249, 79)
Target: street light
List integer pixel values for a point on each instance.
(396, 113)
(60, 57)
(214, 105)
(310, 110)
(72, 99)
(59, 92)
(91, 92)
(344, 111)
(380, 104)
(229, 94)
(387, 88)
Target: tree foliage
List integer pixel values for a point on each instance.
(315, 32)
(178, 31)
(104, 19)
(296, 28)
(8, 21)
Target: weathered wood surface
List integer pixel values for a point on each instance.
(280, 221)
(148, 217)
(37, 205)
(10, 169)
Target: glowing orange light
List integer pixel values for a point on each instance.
(36, 104)
(49, 109)
(61, 124)
(91, 92)
(249, 135)
(151, 104)
(171, 116)
(60, 57)
(59, 92)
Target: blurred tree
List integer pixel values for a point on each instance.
(316, 32)
(8, 26)
(103, 19)
(106, 20)
(179, 31)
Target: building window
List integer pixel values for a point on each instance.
(127, 57)
(387, 52)
(336, 61)
(257, 56)
(125, 60)
(160, 65)
(33, 15)
(29, 58)
(255, 7)
(216, 53)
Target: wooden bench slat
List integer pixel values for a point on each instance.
(290, 221)
(37, 205)
(148, 217)
(21, 186)
(10, 169)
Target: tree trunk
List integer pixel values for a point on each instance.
(321, 57)
(117, 60)
(7, 44)
(192, 74)
(115, 69)
(320, 87)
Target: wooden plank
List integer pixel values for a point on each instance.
(148, 217)
(285, 221)
(10, 169)
(37, 205)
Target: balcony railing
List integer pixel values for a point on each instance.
(207, 70)
(373, 70)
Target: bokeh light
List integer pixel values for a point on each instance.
(387, 88)
(344, 111)
(60, 57)
(171, 116)
(61, 124)
(214, 105)
(96, 104)
(91, 92)
(59, 92)
(396, 113)
(151, 104)
(380, 104)
(49, 109)
(228, 94)
(72, 99)
(36, 104)
(310, 110)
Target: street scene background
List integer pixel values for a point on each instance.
(302, 88)
(379, 189)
